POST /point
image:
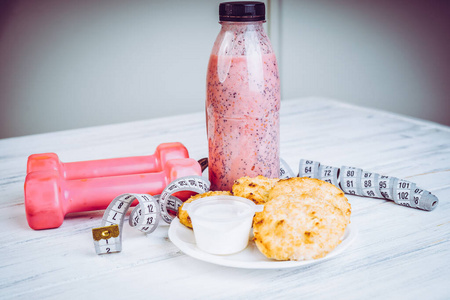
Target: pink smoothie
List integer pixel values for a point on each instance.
(242, 110)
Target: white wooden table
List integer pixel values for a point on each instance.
(400, 253)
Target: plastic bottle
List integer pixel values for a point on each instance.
(243, 98)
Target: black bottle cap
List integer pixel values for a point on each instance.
(242, 11)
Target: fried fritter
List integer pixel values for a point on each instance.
(315, 188)
(255, 189)
(298, 228)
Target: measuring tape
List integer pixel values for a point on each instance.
(196, 184)
(355, 181)
(285, 171)
(146, 215)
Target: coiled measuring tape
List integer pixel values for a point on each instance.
(196, 184)
(146, 215)
(358, 182)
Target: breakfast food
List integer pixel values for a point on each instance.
(303, 218)
(317, 189)
(298, 228)
(184, 216)
(255, 189)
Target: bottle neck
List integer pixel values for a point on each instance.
(241, 38)
(254, 25)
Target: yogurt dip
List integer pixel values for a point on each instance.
(222, 224)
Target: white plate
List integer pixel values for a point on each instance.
(250, 257)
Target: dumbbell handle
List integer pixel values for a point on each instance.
(97, 193)
(111, 167)
(108, 167)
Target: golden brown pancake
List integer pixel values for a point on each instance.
(298, 228)
(255, 189)
(317, 189)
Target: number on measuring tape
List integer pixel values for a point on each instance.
(329, 174)
(196, 184)
(370, 185)
(425, 200)
(108, 238)
(350, 180)
(385, 184)
(308, 168)
(285, 170)
(404, 192)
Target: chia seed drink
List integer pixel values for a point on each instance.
(243, 98)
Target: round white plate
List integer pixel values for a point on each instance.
(250, 257)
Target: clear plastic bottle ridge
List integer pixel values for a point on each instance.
(243, 98)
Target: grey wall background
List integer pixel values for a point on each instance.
(69, 64)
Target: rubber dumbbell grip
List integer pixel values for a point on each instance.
(96, 193)
(112, 167)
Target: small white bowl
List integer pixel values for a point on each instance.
(222, 223)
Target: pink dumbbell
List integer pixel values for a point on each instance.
(49, 197)
(108, 167)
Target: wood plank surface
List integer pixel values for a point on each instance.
(400, 253)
